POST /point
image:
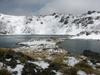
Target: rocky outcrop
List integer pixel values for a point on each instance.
(31, 69)
(17, 55)
(91, 54)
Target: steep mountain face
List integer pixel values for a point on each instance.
(50, 24)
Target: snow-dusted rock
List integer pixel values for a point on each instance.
(50, 24)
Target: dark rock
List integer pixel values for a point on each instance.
(56, 16)
(55, 48)
(53, 54)
(98, 61)
(24, 45)
(89, 18)
(69, 52)
(17, 55)
(67, 17)
(11, 63)
(9, 55)
(90, 22)
(29, 69)
(93, 11)
(66, 22)
(48, 40)
(41, 22)
(87, 33)
(46, 72)
(30, 19)
(53, 14)
(84, 60)
(89, 12)
(44, 49)
(2, 59)
(91, 54)
(98, 17)
(93, 61)
(97, 66)
(76, 20)
(62, 19)
(58, 42)
(41, 45)
(54, 66)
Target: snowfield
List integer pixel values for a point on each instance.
(92, 36)
(56, 24)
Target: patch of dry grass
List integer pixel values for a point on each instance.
(83, 64)
(86, 68)
(4, 71)
(4, 51)
(22, 60)
(70, 71)
(97, 66)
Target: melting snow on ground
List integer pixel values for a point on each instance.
(81, 73)
(71, 61)
(42, 64)
(18, 69)
(37, 42)
(57, 73)
(92, 36)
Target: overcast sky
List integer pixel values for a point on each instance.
(42, 7)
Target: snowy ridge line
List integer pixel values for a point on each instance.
(55, 24)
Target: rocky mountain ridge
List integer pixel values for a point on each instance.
(57, 24)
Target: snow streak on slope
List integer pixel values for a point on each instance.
(50, 24)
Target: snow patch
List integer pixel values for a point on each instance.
(42, 64)
(92, 36)
(81, 73)
(71, 61)
(18, 69)
(37, 42)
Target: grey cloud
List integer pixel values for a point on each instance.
(21, 7)
(70, 6)
(39, 7)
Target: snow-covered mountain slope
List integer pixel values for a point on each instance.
(50, 24)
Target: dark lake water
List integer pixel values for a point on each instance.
(74, 46)
(9, 41)
(77, 46)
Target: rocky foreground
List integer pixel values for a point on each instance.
(42, 56)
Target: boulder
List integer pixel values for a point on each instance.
(94, 62)
(17, 55)
(11, 63)
(91, 54)
(29, 69)
(54, 66)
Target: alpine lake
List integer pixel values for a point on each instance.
(73, 46)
